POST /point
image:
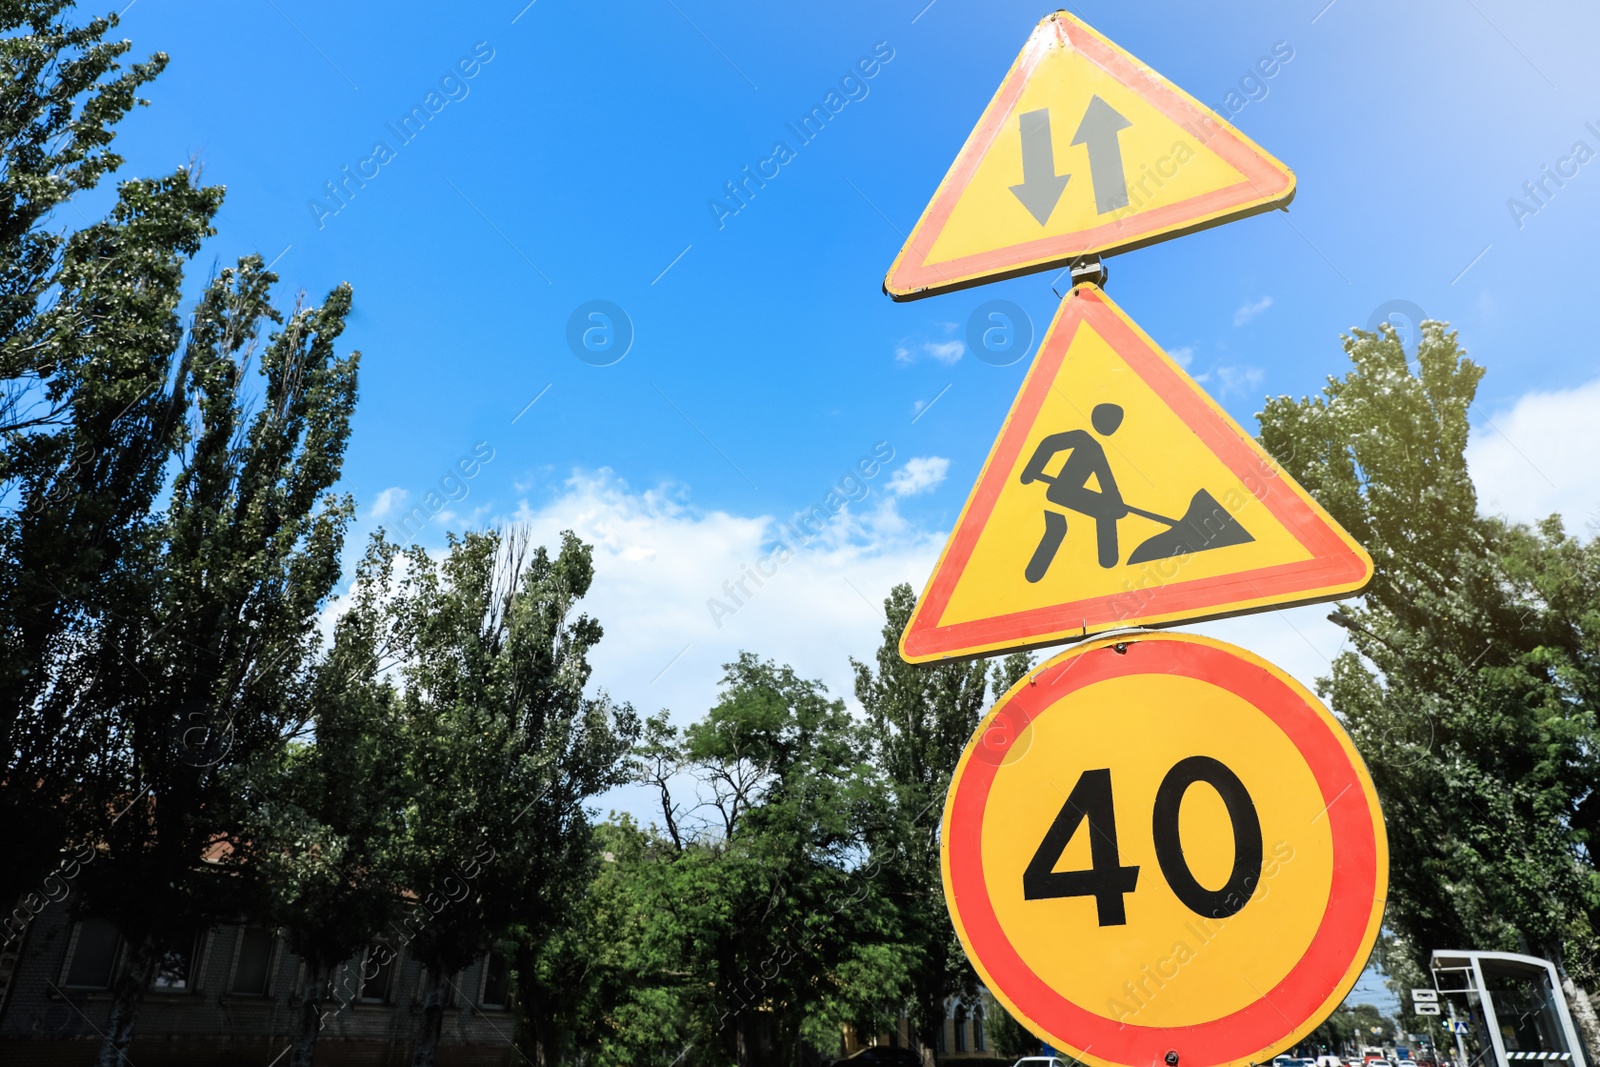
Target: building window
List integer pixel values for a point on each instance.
(93, 955)
(961, 1029)
(378, 961)
(978, 1042)
(175, 969)
(447, 995)
(254, 958)
(496, 981)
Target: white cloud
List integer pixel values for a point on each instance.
(1539, 457)
(1299, 640)
(1251, 310)
(659, 561)
(1184, 356)
(387, 501)
(946, 352)
(1237, 380)
(918, 475)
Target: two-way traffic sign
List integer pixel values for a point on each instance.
(1084, 150)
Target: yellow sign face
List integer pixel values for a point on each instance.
(1163, 843)
(1119, 494)
(1083, 150)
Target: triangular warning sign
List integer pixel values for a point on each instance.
(1119, 494)
(1083, 150)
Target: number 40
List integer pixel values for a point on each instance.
(1108, 881)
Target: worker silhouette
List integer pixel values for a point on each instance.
(1070, 489)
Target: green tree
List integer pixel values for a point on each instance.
(505, 747)
(611, 987)
(756, 920)
(202, 675)
(920, 718)
(329, 822)
(1369, 1025)
(63, 94)
(1472, 685)
(91, 404)
(793, 794)
(1346, 1031)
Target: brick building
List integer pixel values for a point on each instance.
(230, 998)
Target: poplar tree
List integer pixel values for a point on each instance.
(329, 819)
(91, 404)
(504, 746)
(203, 675)
(1473, 681)
(920, 718)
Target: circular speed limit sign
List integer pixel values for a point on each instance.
(1161, 845)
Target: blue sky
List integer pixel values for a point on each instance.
(582, 159)
(577, 164)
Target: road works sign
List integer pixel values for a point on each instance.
(1163, 843)
(1084, 150)
(1162, 509)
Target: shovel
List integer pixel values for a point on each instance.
(1206, 524)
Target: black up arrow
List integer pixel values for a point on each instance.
(1099, 130)
(1041, 186)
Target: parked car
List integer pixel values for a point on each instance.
(1040, 1061)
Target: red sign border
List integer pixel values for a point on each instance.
(1337, 567)
(1349, 926)
(1268, 183)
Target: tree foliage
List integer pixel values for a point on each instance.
(502, 743)
(1347, 1030)
(327, 822)
(202, 675)
(752, 922)
(1471, 687)
(920, 718)
(94, 403)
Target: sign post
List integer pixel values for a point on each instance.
(1157, 848)
(1458, 1028)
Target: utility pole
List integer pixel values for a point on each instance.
(1461, 1048)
